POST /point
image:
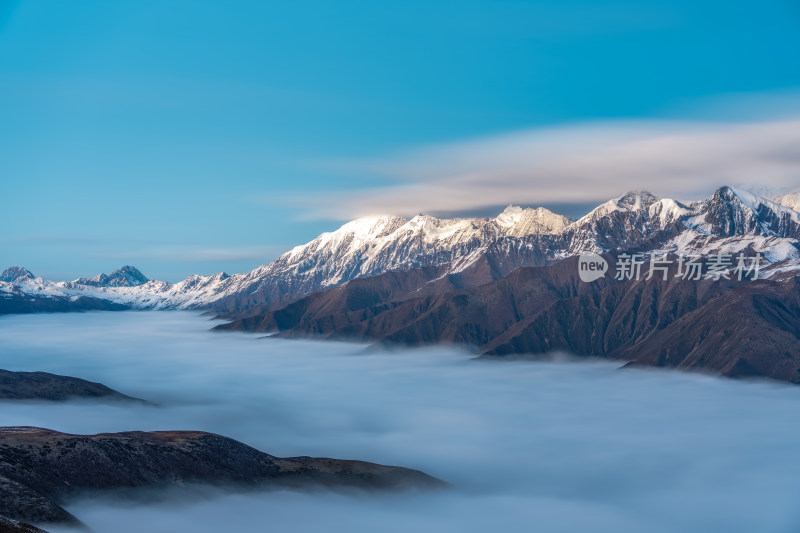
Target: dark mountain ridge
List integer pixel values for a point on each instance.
(15, 526)
(55, 388)
(18, 302)
(40, 469)
(733, 328)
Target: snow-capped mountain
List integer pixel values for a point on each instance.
(729, 221)
(126, 276)
(732, 212)
(15, 274)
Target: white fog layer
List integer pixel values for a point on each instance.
(551, 447)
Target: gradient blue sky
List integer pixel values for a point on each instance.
(183, 136)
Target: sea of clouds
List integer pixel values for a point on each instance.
(528, 446)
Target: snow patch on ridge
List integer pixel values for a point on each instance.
(518, 222)
(790, 200)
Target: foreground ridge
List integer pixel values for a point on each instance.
(41, 468)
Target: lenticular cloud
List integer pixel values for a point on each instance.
(575, 164)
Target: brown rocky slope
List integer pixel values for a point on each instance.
(732, 328)
(40, 469)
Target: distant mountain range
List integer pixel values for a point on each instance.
(126, 276)
(729, 221)
(506, 286)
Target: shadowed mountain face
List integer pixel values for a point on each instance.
(732, 328)
(728, 213)
(40, 468)
(15, 273)
(744, 329)
(52, 387)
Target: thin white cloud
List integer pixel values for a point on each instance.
(590, 162)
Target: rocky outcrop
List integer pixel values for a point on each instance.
(40, 469)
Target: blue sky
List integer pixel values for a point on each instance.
(194, 137)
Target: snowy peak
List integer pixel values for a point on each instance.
(15, 274)
(518, 222)
(129, 276)
(430, 229)
(352, 234)
(373, 245)
(369, 227)
(731, 212)
(514, 221)
(667, 211)
(790, 200)
(369, 246)
(632, 202)
(727, 214)
(126, 276)
(636, 200)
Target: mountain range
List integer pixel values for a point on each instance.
(507, 285)
(729, 221)
(747, 328)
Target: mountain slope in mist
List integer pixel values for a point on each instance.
(732, 328)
